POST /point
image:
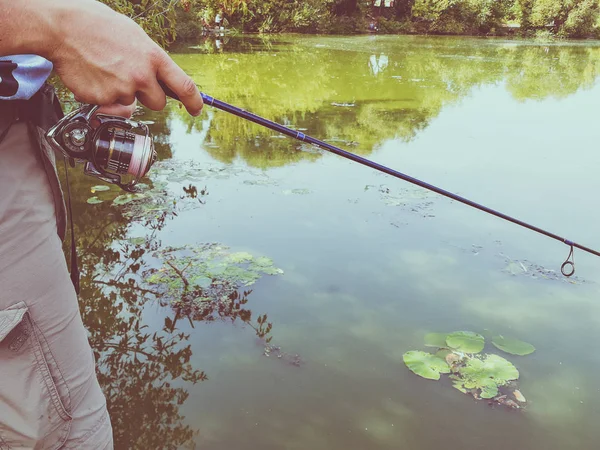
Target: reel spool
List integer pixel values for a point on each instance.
(116, 148)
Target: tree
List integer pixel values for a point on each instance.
(572, 18)
(156, 17)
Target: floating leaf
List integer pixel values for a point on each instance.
(425, 365)
(177, 177)
(100, 188)
(296, 191)
(443, 353)
(259, 182)
(465, 341)
(210, 267)
(263, 261)
(435, 340)
(458, 385)
(487, 373)
(94, 200)
(137, 240)
(512, 346)
(126, 198)
(239, 257)
(489, 390)
(268, 270)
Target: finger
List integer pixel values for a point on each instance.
(153, 97)
(178, 81)
(125, 99)
(116, 109)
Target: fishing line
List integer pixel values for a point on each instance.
(567, 268)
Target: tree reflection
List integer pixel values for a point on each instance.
(142, 371)
(364, 97)
(329, 93)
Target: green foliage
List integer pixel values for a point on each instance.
(391, 26)
(425, 365)
(435, 340)
(461, 16)
(465, 341)
(94, 200)
(156, 17)
(187, 20)
(100, 188)
(486, 374)
(512, 345)
(568, 18)
(209, 271)
(433, 10)
(581, 20)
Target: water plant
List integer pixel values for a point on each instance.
(512, 345)
(425, 364)
(481, 375)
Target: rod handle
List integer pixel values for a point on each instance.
(168, 91)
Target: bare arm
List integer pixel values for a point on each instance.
(103, 57)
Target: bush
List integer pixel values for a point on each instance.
(581, 20)
(544, 36)
(188, 31)
(343, 25)
(391, 26)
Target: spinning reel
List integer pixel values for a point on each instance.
(117, 147)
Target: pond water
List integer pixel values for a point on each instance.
(368, 263)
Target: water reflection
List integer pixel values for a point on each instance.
(378, 65)
(362, 91)
(145, 370)
(359, 94)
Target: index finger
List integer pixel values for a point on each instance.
(181, 84)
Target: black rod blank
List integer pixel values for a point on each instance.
(373, 165)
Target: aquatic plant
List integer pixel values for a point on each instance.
(203, 268)
(512, 345)
(435, 339)
(426, 365)
(482, 375)
(485, 373)
(465, 341)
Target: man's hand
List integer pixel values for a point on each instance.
(103, 57)
(125, 111)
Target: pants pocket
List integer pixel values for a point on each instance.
(34, 398)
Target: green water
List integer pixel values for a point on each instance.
(370, 263)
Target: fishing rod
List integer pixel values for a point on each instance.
(114, 149)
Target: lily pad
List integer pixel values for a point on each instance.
(210, 267)
(458, 385)
(487, 374)
(435, 340)
(296, 191)
(239, 257)
(126, 198)
(425, 365)
(443, 353)
(100, 188)
(466, 341)
(94, 200)
(137, 240)
(512, 346)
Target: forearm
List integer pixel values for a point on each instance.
(29, 26)
(103, 57)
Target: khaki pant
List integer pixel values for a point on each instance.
(49, 394)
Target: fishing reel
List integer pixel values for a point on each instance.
(115, 149)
